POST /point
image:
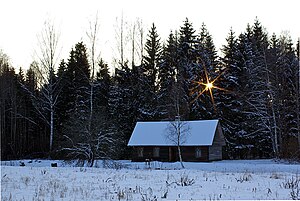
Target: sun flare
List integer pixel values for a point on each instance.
(209, 85)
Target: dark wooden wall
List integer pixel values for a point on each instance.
(171, 153)
(215, 153)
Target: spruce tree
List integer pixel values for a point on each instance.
(124, 106)
(229, 100)
(261, 90)
(256, 137)
(288, 66)
(204, 69)
(35, 123)
(79, 140)
(166, 78)
(148, 76)
(273, 55)
(103, 82)
(186, 60)
(244, 137)
(63, 103)
(152, 57)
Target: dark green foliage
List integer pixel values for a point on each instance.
(186, 60)
(22, 129)
(124, 105)
(229, 100)
(205, 64)
(152, 57)
(288, 68)
(166, 78)
(147, 77)
(102, 87)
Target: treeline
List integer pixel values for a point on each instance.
(83, 111)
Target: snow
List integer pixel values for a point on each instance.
(154, 133)
(125, 180)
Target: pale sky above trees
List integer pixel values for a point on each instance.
(21, 21)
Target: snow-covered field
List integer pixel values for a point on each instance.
(123, 180)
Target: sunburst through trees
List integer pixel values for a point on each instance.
(208, 85)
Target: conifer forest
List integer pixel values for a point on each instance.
(81, 107)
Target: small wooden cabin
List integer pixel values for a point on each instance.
(203, 143)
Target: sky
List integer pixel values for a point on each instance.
(22, 21)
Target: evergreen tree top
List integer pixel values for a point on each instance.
(187, 32)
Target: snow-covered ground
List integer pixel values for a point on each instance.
(124, 180)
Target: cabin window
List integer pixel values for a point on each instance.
(156, 152)
(198, 153)
(140, 152)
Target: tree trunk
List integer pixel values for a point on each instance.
(121, 40)
(272, 100)
(178, 142)
(275, 137)
(180, 157)
(91, 106)
(133, 33)
(51, 127)
(91, 159)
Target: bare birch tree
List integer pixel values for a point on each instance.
(47, 59)
(178, 131)
(133, 45)
(137, 42)
(93, 37)
(141, 39)
(120, 38)
(270, 117)
(129, 39)
(90, 137)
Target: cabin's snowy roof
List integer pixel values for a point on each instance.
(201, 133)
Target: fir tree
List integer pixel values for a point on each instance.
(256, 137)
(35, 124)
(103, 82)
(63, 106)
(186, 59)
(124, 106)
(166, 78)
(204, 67)
(152, 57)
(148, 76)
(288, 67)
(260, 89)
(245, 136)
(229, 101)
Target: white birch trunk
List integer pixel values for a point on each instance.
(51, 127)
(178, 140)
(275, 135)
(180, 157)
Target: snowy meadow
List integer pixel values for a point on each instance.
(125, 180)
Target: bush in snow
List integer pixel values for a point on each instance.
(111, 164)
(185, 181)
(245, 177)
(294, 185)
